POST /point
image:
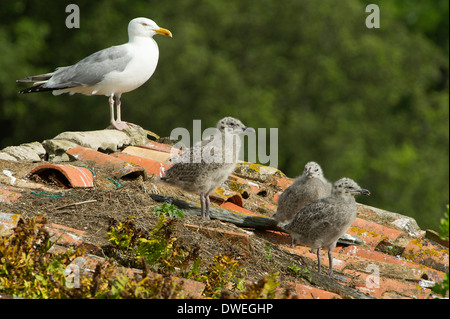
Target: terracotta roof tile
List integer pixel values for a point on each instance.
(72, 176)
(151, 166)
(309, 292)
(9, 194)
(147, 153)
(210, 232)
(121, 168)
(8, 222)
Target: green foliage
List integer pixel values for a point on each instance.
(123, 234)
(158, 250)
(265, 288)
(161, 252)
(223, 270)
(444, 225)
(170, 210)
(28, 268)
(268, 254)
(442, 288)
(301, 271)
(110, 285)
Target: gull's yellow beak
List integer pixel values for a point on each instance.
(164, 32)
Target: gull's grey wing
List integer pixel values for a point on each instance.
(91, 70)
(36, 78)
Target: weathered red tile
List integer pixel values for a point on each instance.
(86, 264)
(309, 292)
(235, 185)
(390, 233)
(146, 153)
(151, 166)
(8, 222)
(64, 235)
(9, 195)
(339, 261)
(232, 236)
(407, 270)
(434, 236)
(373, 233)
(232, 206)
(281, 182)
(428, 253)
(65, 175)
(277, 236)
(382, 287)
(223, 194)
(276, 197)
(120, 168)
(159, 147)
(372, 239)
(267, 206)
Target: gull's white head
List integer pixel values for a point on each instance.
(143, 27)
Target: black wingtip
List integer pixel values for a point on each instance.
(36, 88)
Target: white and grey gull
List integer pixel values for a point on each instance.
(321, 223)
(208, 163)
(111, 72)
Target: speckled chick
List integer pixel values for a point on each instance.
(208, 163)
(307, 188)
(321, 223)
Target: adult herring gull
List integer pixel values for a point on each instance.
(111, 72)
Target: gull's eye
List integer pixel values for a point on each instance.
(144, 24)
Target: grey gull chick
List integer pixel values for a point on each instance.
(111, 72)
(209, 162)
(307, 188)
(321, 223)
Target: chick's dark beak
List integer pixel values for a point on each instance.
(364, 192)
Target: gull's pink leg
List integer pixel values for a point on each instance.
(111, 109)
(120, 125)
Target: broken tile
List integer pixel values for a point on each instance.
(65, 175)
(309, 292)
(222, 194)
(428, 253)
(64, 235)
(9, 194)
(256, 172)
(232, 236)
(8, 222)
(236, 208)
(159, 147)
(151, 166)
(120, 168)
(150, 154)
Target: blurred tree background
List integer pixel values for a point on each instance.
(370, 104)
